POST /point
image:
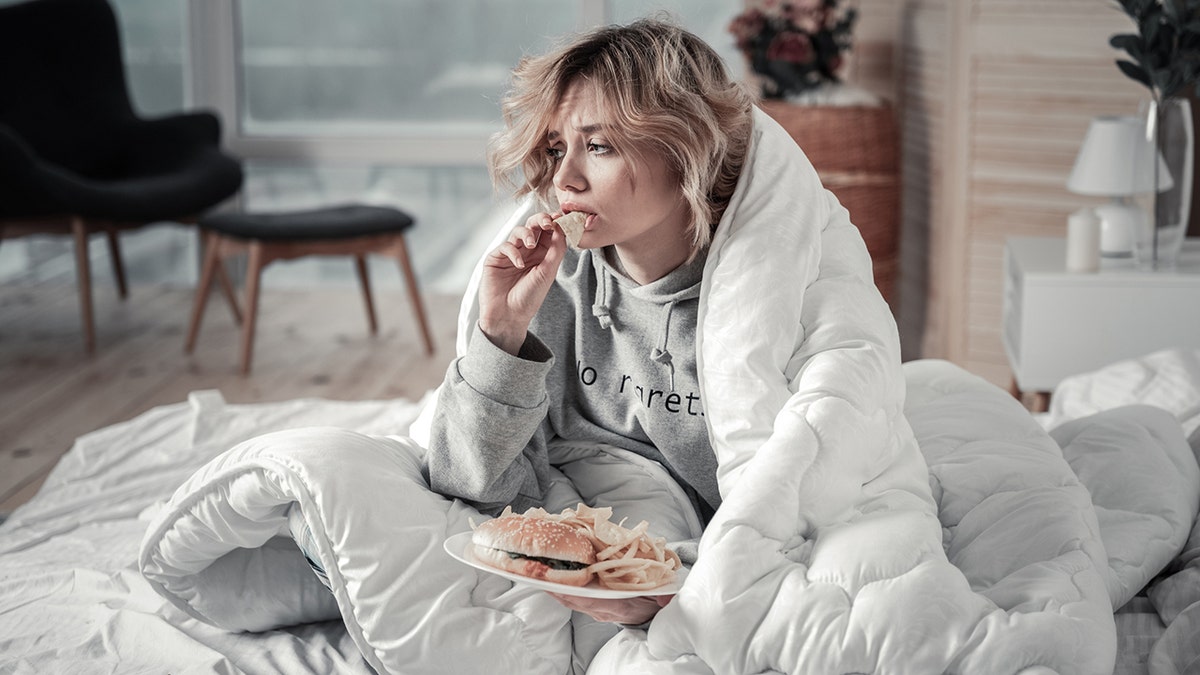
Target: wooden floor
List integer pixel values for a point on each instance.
(310, 343)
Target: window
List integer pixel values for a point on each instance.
(155, 53)
(404, 67)
(414, 82)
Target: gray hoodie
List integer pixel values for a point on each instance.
(605, 360)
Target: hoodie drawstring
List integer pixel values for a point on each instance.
(600, 306)
(662, 353)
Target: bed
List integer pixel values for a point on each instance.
(74, 596)
(959, 534)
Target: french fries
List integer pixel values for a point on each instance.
(626, 559)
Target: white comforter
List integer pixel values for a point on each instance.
(839, 547)
(1015, 518)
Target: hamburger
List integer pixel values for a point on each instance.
(535, 547)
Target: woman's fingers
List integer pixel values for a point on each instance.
(529, 244)
(529, 238)
(531, 232)
(631, 610)
(509, 250)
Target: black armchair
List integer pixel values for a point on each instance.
(74, 156)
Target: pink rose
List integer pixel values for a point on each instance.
(792, 47)
(808, 19)
(747, 26)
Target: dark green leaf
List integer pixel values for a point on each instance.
(1134, 71)
(1170, 84)
(1149, 30)
(1132, 44)
(1167, 33)
(1173, 11)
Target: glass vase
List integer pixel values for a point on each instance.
(1169, 126)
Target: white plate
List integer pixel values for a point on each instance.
(459, 548)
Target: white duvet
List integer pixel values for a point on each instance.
(842, 545)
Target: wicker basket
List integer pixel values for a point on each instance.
(855, 150)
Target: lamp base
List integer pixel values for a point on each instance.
(1119, 220)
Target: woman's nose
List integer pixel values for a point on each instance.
(569, 175)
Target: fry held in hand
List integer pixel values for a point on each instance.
(572, 225)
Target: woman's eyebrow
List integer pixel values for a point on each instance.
(586, 129)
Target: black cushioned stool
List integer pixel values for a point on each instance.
(340, 230)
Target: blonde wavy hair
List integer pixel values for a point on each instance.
(663, 91)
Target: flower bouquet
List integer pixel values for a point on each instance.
(796, 45)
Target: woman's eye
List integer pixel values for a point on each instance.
(554, 154)
(599, 148)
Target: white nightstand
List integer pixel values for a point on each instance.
(1058, 323)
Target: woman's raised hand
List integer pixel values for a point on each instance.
(516, 278)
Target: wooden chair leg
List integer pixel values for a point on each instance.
(253, 278)
(414, 294)
(114, 252)
(212, 260)
(83, 274)
(360, 262)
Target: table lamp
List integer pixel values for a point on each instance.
(1115, 161)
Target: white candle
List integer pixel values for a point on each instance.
(1083, 241)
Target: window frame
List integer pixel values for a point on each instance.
(213, 81)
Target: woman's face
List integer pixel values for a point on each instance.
(634, 200)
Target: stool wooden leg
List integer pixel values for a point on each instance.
(360, 262)
(230, 296)
(253, 277)
(212, 260)
(114, 252)
(401, 253)
(83, 273)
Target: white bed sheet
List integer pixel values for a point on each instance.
(71, 598)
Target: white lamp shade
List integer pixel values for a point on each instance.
(1115, 160)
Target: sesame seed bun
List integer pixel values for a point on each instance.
(536, 548)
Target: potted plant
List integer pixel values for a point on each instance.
(1164, 56)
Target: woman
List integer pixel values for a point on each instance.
(719, 326)
(639, 128)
